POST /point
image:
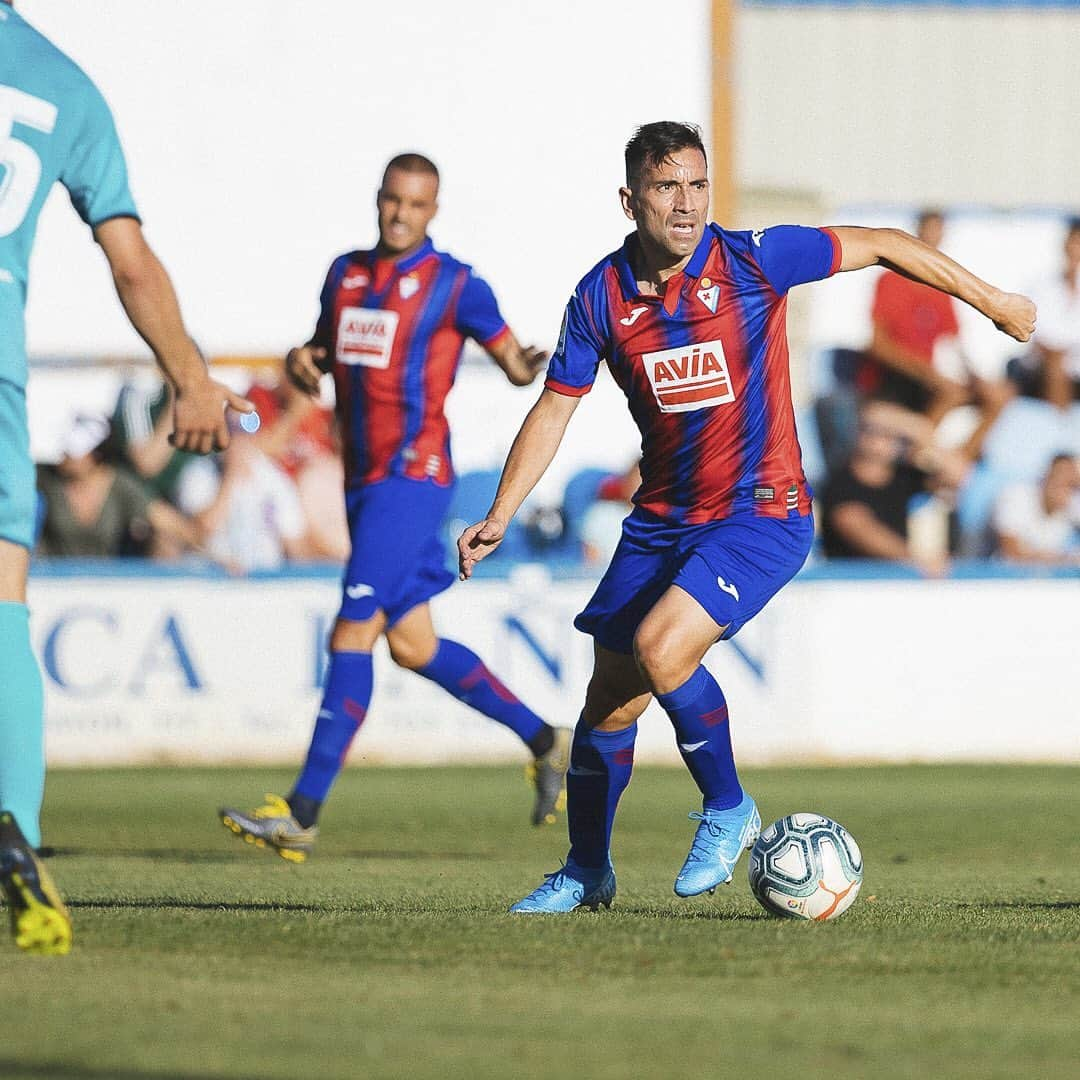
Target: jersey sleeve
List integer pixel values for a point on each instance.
(95, 173)
(478, 314)
(573, 365)
(324, 327)
(792, 255)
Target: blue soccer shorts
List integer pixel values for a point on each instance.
(18, 487)
(398, 556)
(732, 568)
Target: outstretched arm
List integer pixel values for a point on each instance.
(529, 457)
(149, 299)
(1011, 313)
(521, 363)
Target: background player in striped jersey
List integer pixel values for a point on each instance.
(691, 321)
(391, 329)
(55, 125)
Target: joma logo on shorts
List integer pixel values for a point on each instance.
(693, 377)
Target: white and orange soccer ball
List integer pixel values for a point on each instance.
(806, 866)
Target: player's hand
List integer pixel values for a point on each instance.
(1014, 314)
(478, 542)
(304, 368)
(534, 359)
(199, 424)
(528, 363)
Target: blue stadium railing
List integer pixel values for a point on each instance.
(565, 569)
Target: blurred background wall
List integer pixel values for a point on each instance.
(256, 131)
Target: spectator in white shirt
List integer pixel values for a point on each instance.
(1052, 370)
(250, 514)
(1039, 523)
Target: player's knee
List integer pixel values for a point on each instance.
(408, 654)
(610, 708)
(349, 636)
(661, 658)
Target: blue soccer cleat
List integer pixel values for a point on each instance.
(568, 889)
(721, 838)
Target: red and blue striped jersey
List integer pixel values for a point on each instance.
(394, 331)
(704, 368)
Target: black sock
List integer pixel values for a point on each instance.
(305, 810)
(542, 741)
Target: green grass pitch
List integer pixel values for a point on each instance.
(389, 954)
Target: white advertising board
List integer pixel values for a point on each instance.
(177, 669)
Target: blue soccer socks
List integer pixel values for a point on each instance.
(344, 706)
(699, 715)
(459, 671)
(600, 766)
(22, 751)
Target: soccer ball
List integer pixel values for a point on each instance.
(806, 866)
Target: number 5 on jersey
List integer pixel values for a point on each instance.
(19, 161)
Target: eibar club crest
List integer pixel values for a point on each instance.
(709, 294)
(408, 286)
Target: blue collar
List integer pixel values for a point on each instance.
(624, 266)
(403, 266)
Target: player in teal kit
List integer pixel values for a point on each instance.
(55, 125)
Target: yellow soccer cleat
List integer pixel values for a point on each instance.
(272, 825)
(548, 776)
(40, 923)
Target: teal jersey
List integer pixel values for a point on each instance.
(54, 125)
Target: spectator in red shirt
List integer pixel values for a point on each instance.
(910, 322)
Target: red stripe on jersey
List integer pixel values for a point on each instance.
(384, 393)
(838, 251)
(567, 391)
(430, 458)
(781, 462)
(496, 337)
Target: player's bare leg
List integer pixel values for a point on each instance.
(39, 921)
(415, 645)
(670, 644)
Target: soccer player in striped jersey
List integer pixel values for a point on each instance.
(691, 320)
(391, 328)
(55, 126)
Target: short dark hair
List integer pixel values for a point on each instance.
(412, 162)
(653, 144)
(1072, 225)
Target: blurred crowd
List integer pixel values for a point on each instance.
(120, 489)
(920, 459)
(925, 459)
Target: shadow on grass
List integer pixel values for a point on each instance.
(166, 903)
(1023, 905)
(203, 856)
(61, 1071)
(703, 914)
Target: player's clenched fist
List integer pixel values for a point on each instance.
(304, 367)
(1014, 315)
(477, 542)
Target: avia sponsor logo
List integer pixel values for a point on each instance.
(366, 336)
(690, 378)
